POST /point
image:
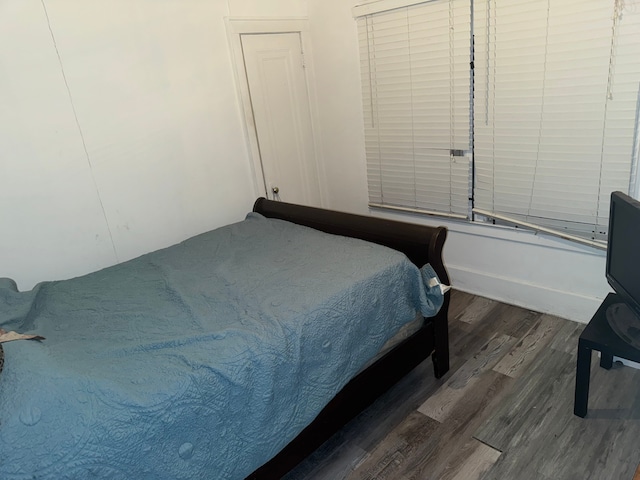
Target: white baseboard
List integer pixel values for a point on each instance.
(541, 298)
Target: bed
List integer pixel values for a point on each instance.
(233, 354)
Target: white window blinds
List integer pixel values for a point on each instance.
(416, 96)
(556, 89)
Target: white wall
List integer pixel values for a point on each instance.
(545, 274)
(121, 136)
(267, 8)
(337, 72)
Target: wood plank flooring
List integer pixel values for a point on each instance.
(503, 412)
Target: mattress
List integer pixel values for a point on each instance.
(201, 360)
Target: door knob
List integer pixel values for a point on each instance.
(275, 190)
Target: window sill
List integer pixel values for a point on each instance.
(489, 230)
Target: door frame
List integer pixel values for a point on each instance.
(239, 26)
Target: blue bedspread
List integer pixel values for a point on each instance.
(201, 360)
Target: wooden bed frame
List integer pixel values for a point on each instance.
(421, 244)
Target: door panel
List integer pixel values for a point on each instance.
(281, 114)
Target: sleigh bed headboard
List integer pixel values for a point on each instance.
(420, 243)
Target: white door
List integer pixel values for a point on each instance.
(275, 70)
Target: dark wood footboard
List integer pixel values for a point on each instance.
(421, 244)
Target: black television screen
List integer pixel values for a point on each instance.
(623, 249)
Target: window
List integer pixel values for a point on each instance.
(416, 84)
(554, 107)
(556, 93)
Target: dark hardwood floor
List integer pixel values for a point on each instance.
(504, 410)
